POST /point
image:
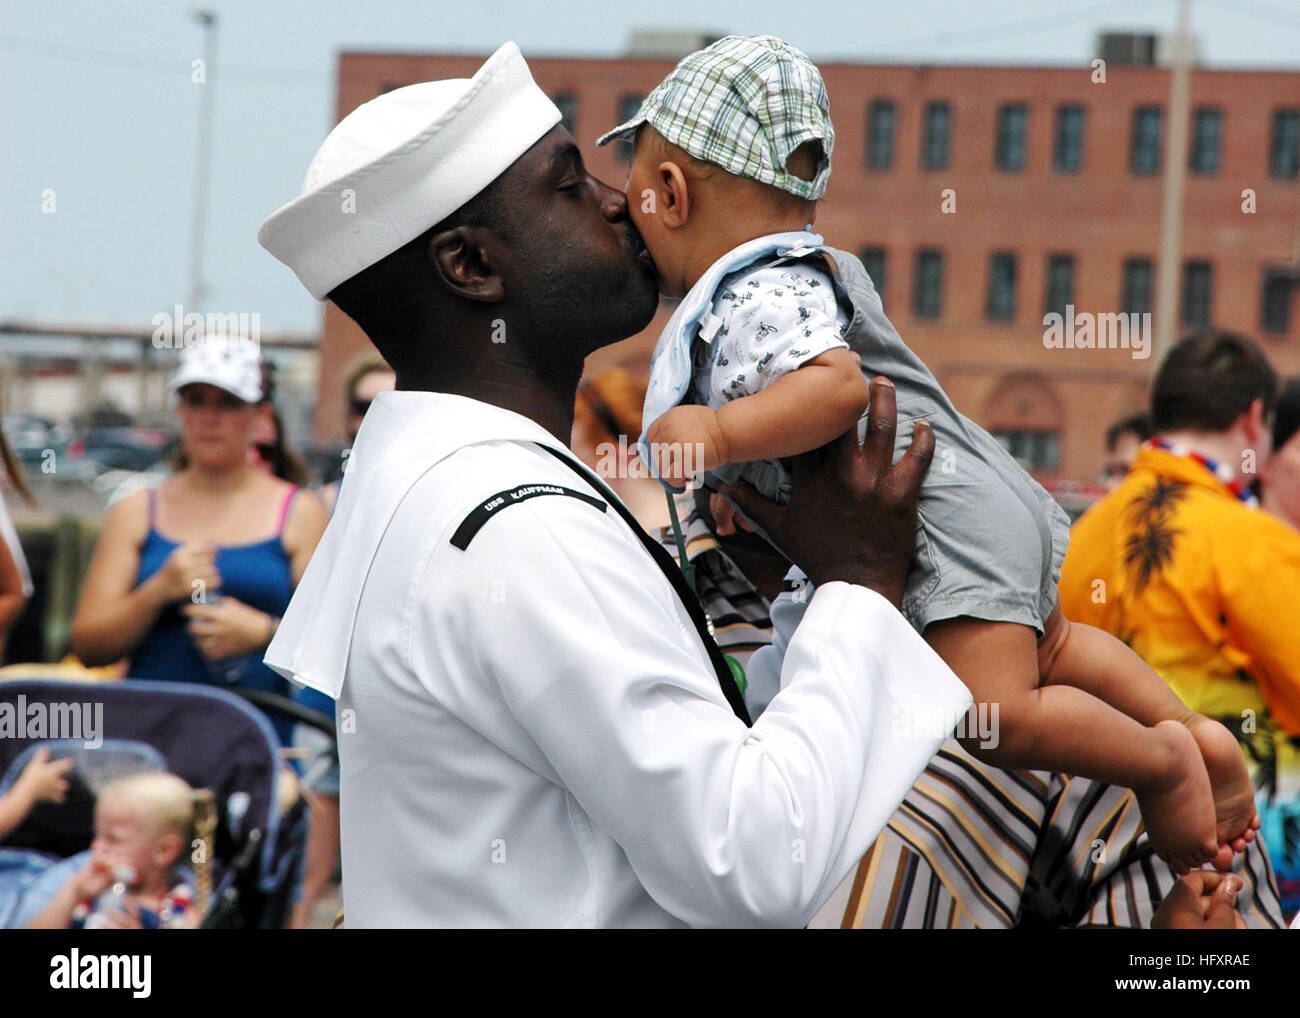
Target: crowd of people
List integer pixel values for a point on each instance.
(525, 691)
(189, 579)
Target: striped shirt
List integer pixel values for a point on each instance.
(976, 846)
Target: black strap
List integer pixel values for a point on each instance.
(670, 569)
(494, 504)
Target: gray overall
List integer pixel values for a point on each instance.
(990, 541)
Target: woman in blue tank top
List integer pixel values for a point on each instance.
(189, 580)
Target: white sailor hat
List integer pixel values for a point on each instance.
(401, 163)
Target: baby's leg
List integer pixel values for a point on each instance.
(1089, 659)
(1061, 728)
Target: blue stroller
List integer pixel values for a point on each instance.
(250, 818)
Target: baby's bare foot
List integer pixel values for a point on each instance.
(1179, 812)
(1234, 798)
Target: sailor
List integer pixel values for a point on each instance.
(535, 727)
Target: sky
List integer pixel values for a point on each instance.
(99, 115)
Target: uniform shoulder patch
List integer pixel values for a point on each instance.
(494, 504)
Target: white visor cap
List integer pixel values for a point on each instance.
(231, 364)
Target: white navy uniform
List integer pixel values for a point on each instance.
(531, 729)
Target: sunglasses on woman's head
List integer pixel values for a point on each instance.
(197, 399)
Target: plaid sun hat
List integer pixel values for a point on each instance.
(744, 104)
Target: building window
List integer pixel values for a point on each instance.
(880, 135)
(927, 291)
(567, 104)
(1277, 300)
(1136, 297)
(935, 136)
(873, 260)
(1060, 284)
(1144, 155)
(1207, 130)
(1284, 148)
(1067, 151)
(1197, 286)
(1010, 144)
(1035, 450)
(627, 109)
(1001, 303)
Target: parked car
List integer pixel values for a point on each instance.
(132, 449)
(37, 443)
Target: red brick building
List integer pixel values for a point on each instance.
(982, 197)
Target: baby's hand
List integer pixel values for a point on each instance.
(93, 879)
(685, 442)
(44, 778)
(127, 917)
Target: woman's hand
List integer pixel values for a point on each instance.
(1201, 900)
(725, 518)
(227, 628)
(191, 567)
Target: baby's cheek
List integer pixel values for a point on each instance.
(643, 222)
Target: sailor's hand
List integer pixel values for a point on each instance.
(852, 511)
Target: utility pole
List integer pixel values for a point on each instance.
(203, 160)
(1175, 176)
(203, 77)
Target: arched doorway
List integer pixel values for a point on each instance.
(1024, 413)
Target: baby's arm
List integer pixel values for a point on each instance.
(92, 880)
(800, 411)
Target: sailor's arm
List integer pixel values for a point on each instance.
(723, 825)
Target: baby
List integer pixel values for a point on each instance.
(767, 356)
(142, 830)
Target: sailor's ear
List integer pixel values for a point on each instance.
(461, 260)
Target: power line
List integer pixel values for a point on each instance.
(164, 65)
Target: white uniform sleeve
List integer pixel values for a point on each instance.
(772, 320)
(763, 670)
(723, 825)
